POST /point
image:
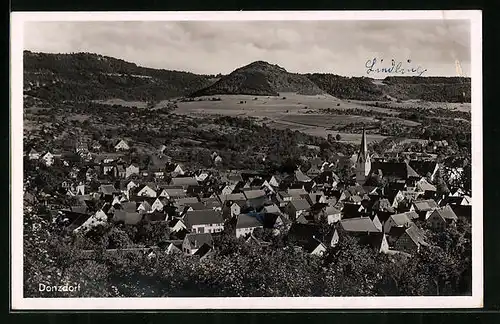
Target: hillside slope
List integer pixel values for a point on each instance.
(437, 89)
(86, 76)
(261, 78)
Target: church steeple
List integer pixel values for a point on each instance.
(363, 163)
(363, 150)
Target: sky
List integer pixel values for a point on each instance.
(211, 47)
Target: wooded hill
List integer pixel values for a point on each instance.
(87, 76)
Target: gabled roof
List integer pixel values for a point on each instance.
(383, 204)
(185, 200)
(197, 240)
(232, 197)
(425, 205)
(446, 213)
(127, 217)
(247, 221)
(196, 206)
(400, 219)
(155, 217)
(416, 234)
(359, 224)
(301, 177)
(423, 167)
(300, 204)
(399, 170)
(351, 210)
(203, 251)
(184, 181)
(271, 209)
(174, 192)
(107, 189)
(297, 192)
(202, 217)
(254, 194)
(425, 186)
(453, 200)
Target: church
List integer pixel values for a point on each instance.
(391, 171)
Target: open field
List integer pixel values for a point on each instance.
(295, 112)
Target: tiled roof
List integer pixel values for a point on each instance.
(202, 217)
(425, 205)
(247, 221)
(300, 204)
(360, 224)
(184, 181)
(446, 213)
(127, 217)
(198, 239)
(253, 194)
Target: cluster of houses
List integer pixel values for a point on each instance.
(198, 205)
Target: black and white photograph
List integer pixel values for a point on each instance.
(241, 160)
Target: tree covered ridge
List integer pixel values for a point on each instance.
(87, 76)
(435, 89)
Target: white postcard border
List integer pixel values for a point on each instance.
(16, 166)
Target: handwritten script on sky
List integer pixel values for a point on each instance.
(393, 67)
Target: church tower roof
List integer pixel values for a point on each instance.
(363, 151)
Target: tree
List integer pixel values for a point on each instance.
(338, 137)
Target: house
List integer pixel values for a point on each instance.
(33, 155)
(212, 203)
(442, 217)
(311, 238)
(48, 159)
(145, 206)
(173, 249)
(427, 169)
(122, 146)
(179, 203)
(297, 207)
(393, 171)
(352, 210)
(193, 241)
(299, 176)
(204, 252)
(128, 218)
(423, 185)
(332, 214)
(400, 220)
(204, 221)
(271, 209)
(159, 204)
(255, 198)
(146, 191)
(406, 239)
(296, 193)
(177, 225)
(120, 171)
(174, 169)
(131, 169)
(454, 200)
(361, 225)
(246, 224)
(233, 208)
(172, 192)
(107, 190)
(155, 217)
(99, 218)
(424, 208)
(184, 182)
(315, 198)
(232, 197)
(227, 190)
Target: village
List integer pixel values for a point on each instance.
(386, 205)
